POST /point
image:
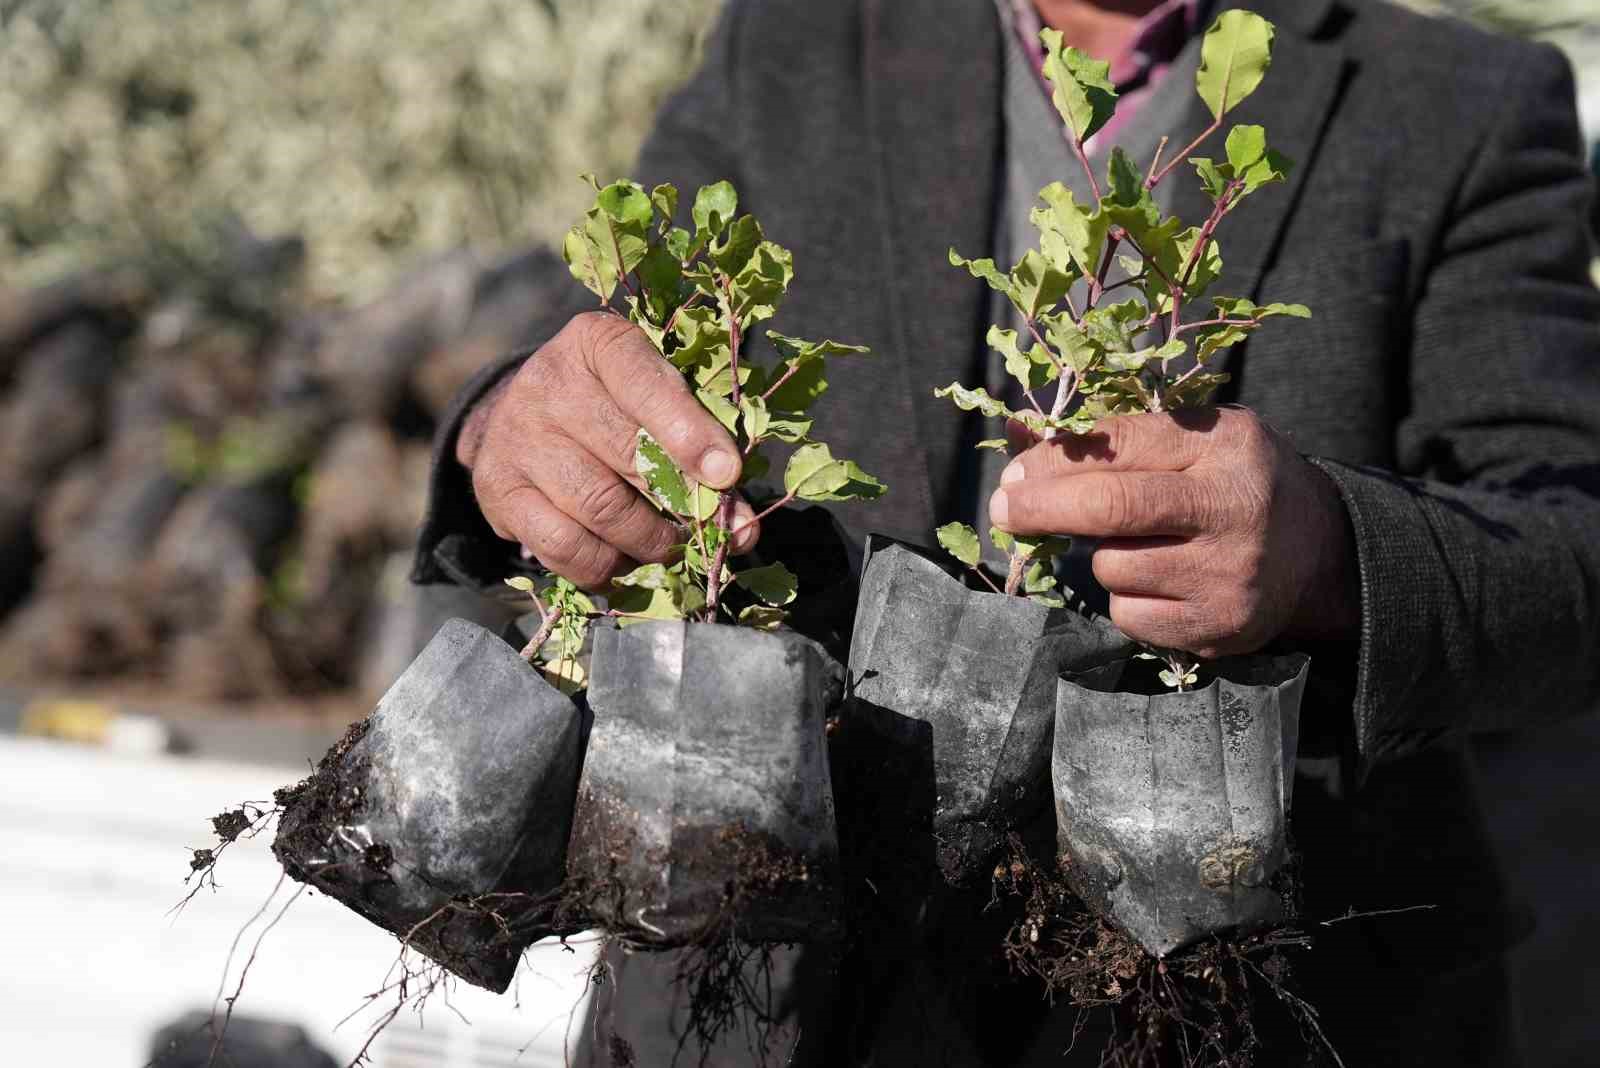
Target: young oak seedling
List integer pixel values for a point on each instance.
(697, 294)
(1138, 351)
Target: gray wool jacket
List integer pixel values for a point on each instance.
(1449, 382)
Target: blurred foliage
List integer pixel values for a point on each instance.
(1524, 18)
(377, 131)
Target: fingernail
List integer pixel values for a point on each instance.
(719, 467)
(998, 508)
(1012, 473)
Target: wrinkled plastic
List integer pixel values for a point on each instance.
(1172, 808)
(980, 669)
(705, 794)
(461, 787)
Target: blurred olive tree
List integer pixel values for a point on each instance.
(374, 130)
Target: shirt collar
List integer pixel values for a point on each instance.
(1157, 39)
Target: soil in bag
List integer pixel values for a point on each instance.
(706, 808)
(444, 815)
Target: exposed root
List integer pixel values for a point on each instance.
(1197, 1007)
(246, 821)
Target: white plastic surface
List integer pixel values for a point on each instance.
(93, 849)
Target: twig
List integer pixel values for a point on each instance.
(1155, 162)
(987, 581)
(1354, 915)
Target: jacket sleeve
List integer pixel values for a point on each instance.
(694, 142)
(1480, 556)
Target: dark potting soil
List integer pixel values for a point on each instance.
(479, 938)
(722, 874)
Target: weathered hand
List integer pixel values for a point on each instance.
(1217, 536)
(551, 451)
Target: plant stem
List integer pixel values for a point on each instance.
(1217, 322)
(1019, 566)
(1217, 211)
(672, 320)
(1083, 160)
(1155, 162)
(724, 519)
(725, 502)
(733, 335)
(546, 628)
(768, 510)
(987, 581)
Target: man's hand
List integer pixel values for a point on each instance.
(551, 451)
(1217, 536)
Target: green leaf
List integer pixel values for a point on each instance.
(1125, 182)
(1080, 230)
(1071, 342)
(1001, 539)
(1215, 340)
(762, 282)
(587, 265)
(1081, 86)
(1037, 284)
(714, 207)
(1033, 368)
(678, 243)
(997, 444)
(1244, 308)
(774, 584)
(974, 399)
(814, 475)
(1294, 311)
(719, 406)
(627, 205)
(703, 502)
(737, 245)
(960, 541)
(1234, 57)
(1271, 167)
(1246, 145)
(1042, 545)
(1207, 269)
(665, 199)
(794, 348)
(642, 603)
(762, 617)
(788, 427)
(802, 389)
(661, 275)
(985, 269)
(649, 577)
(1038, 578)
(756, 417)
(520, 582)
(1215, 179)
(668, 486)
(1049, 600)
(1194, 392)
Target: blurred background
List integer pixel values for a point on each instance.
(248, 252)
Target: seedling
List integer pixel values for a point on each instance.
(564, 614)
(697, 294)
(1140, 350)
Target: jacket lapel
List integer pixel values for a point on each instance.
(1293, 104)
(932, 77)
